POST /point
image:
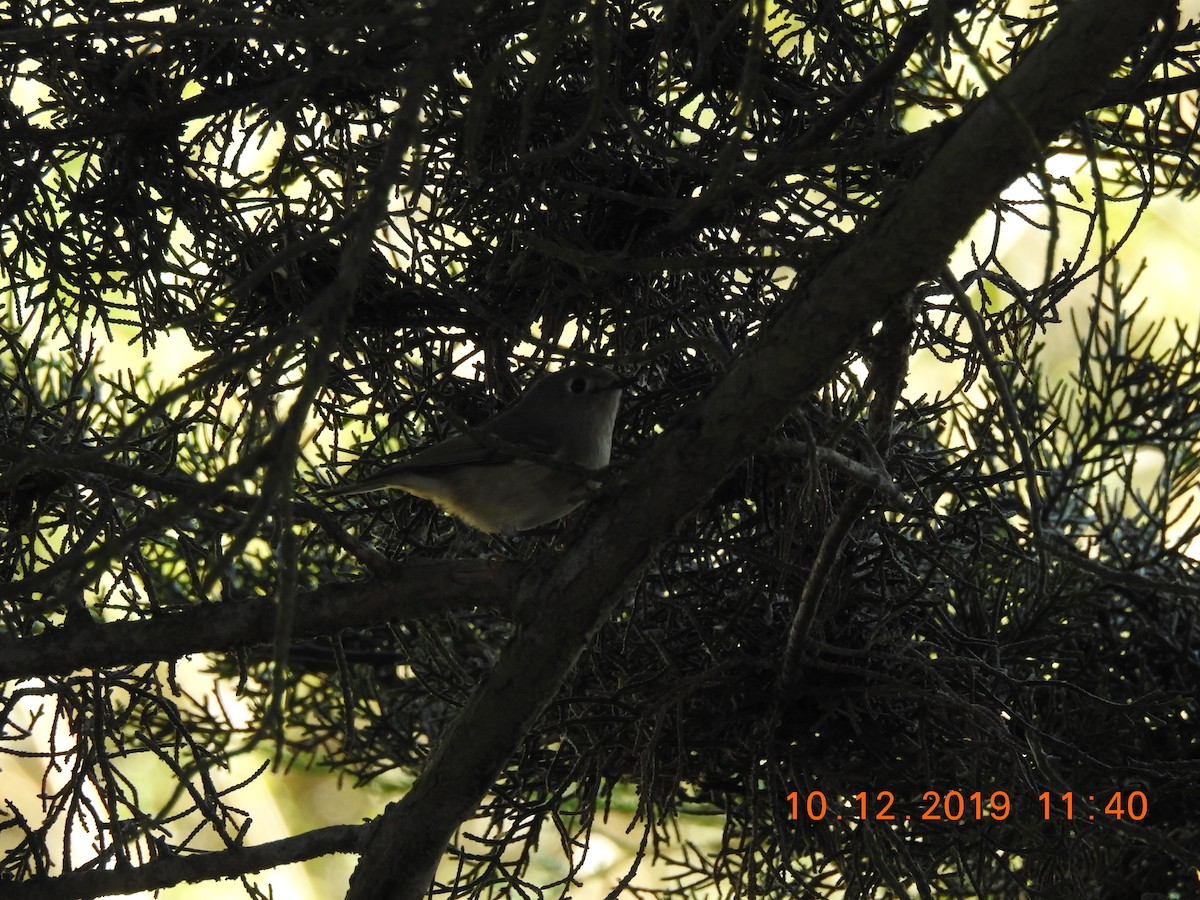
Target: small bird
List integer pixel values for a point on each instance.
(568, 416)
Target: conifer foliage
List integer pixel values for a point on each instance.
(899, 644)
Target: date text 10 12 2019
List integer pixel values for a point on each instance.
(954, 806)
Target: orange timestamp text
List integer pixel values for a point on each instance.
(956, 806)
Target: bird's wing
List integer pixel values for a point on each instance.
(460, 450)
(519, 428)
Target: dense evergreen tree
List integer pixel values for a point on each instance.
(800, 584)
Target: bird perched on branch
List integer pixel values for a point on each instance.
(524, 468)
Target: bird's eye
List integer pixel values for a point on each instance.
(577, 385)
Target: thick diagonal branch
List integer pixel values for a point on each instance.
(903, 245)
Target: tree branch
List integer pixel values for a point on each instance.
(888, 371)
(905, 244)
(418, 590)
(877, 480)
(172, 870)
